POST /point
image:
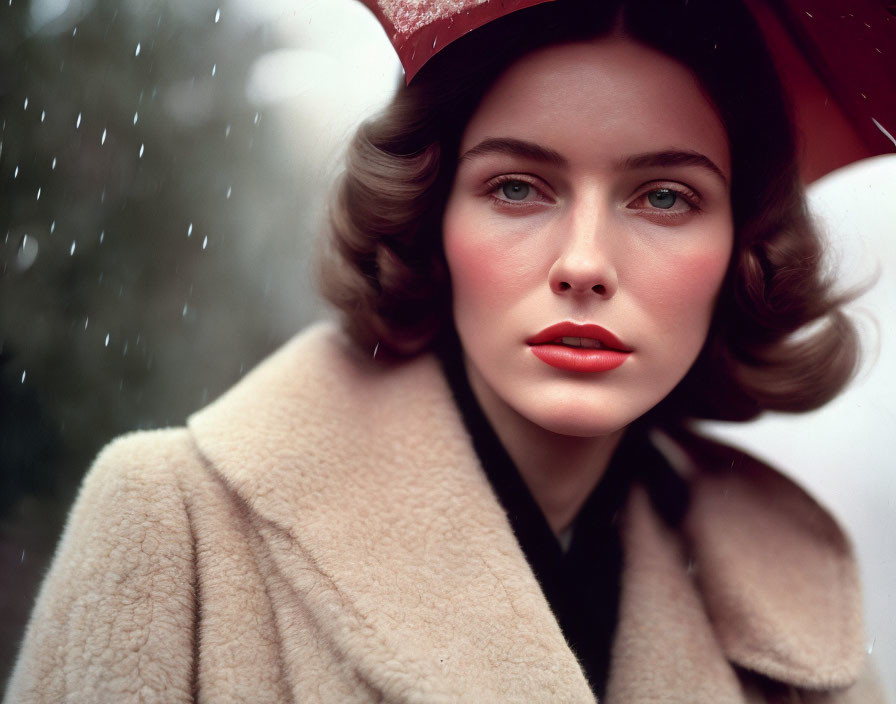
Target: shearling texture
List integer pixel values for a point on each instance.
(324, 533)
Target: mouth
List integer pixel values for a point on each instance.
(588, 343)
(579, 347)
(580, 336)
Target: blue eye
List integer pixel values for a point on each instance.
(515, 190)
(662, 198)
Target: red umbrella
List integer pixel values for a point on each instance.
(837, 59)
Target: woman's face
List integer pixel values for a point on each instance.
(587, 234)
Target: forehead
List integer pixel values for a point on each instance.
(608, 98)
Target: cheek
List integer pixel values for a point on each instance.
(684, 297)
(469, 263)
(699, 276)
(484, 270)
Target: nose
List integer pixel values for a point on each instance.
(585, 264)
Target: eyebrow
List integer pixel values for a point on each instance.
(515, 147)
(535, 152)
(672, 157)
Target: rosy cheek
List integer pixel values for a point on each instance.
(483, 268)
(470, 261)
(683, 297)
(699, 276)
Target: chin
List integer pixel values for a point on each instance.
(580, 422)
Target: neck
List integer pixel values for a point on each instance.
(560, 470)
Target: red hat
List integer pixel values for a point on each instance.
(839, 67)
(418, 29)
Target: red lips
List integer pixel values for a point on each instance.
(547, 346)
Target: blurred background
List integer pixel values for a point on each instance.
(165, 169)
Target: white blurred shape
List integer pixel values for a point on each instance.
(53, 16)
(41, 12)
(341, 70)
(262, 11)
(287, 73)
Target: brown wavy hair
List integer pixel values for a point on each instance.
(778, 340)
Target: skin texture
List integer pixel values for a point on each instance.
(556, 214)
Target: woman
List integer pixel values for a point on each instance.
(600, 234)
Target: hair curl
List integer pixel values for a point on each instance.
(778, 340)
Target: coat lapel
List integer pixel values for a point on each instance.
(362, 477)
(777, 574)
(367, 475)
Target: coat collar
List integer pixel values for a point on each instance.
(777, 574)
(367, 471)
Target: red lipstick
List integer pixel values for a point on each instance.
(579, 347)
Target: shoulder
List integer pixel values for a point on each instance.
(777, 573)
(137, 506)
(135, 494)
(145, 457)
(117, 599)
(141, 472)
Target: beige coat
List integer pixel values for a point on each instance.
(324, 532)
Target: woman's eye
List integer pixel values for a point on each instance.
(662, 198)
(509, 191)
(515, 190)
(666, 201)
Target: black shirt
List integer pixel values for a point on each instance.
(581, 582)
